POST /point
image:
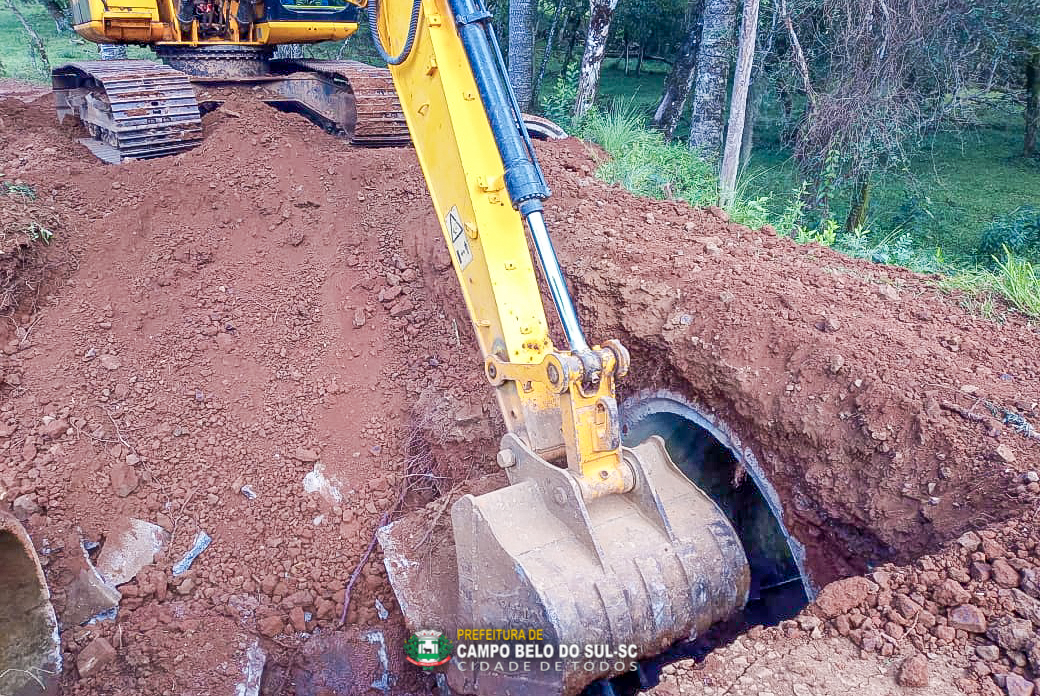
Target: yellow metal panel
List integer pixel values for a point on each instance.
(460, 161)
(304, 32)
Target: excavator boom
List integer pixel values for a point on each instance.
(591, 542)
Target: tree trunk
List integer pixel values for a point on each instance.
(34, 39)
(639, 60)
(858, 209)
(570, 44)
(1032, 112)
(548, 48)
(754, 107)
(709, 93)
(521, 51)
(600, 14)
(738, 103)
(680, 80)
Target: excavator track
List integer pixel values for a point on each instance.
(133, 109)
(379, 119)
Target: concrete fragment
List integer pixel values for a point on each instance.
(202, 542)
(252, 671)
(129, 548)
(88, 594)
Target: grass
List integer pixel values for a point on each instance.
(645, 164)
(1014, 279)
(19, 59)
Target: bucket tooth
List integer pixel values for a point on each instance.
(645, 568)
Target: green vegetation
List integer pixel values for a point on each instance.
(963, 230)
(21, 61)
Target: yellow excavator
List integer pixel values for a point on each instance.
(592, 542)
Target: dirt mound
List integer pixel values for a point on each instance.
(261, 339)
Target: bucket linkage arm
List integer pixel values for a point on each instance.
(616, 547)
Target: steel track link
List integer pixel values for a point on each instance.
(140, 108)
(380, 120)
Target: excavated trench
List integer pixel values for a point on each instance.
(711, 455)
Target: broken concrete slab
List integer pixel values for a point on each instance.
(132, 545)
(88, 594)
(252, 670)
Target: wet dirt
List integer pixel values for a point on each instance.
(275, 305)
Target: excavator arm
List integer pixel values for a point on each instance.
(591, 541)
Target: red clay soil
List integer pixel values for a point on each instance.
(275, 302)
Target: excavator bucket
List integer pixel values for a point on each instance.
(30, 657)
(641, 569)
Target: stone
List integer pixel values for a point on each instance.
(305, 455)
(889, 293)
(1014, 635)
(1026, 606)
(401, 308)
(967, 617)
(129, 547)
(110, 362)
(271, 626)
(1005, 454)
(951, 593)
(913, 672)
(298, 619)
(359, 318)
(124, 479)
(989, 653)
(1004, 574)
(55, 428)
(980, 571)
(1015, 685)
(969, 541)
(98, 653)
(24, 506)
(841, 596)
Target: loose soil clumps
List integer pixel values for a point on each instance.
(262, 339)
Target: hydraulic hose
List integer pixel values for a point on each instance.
(372, 9)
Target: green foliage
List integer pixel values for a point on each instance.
(558, 102)
(642, 162)
(1014, 279)
(20, 60)
(39, 233)
(23, 191)
(1017, 231)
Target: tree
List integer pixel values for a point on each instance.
(521, 50)
(600, 14)
(34, 38)
(709, 93)
(548, 47)
(680, 80)
(59, 12)
(1032, 110)
(738, 103)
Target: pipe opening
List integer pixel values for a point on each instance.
(711, 456)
